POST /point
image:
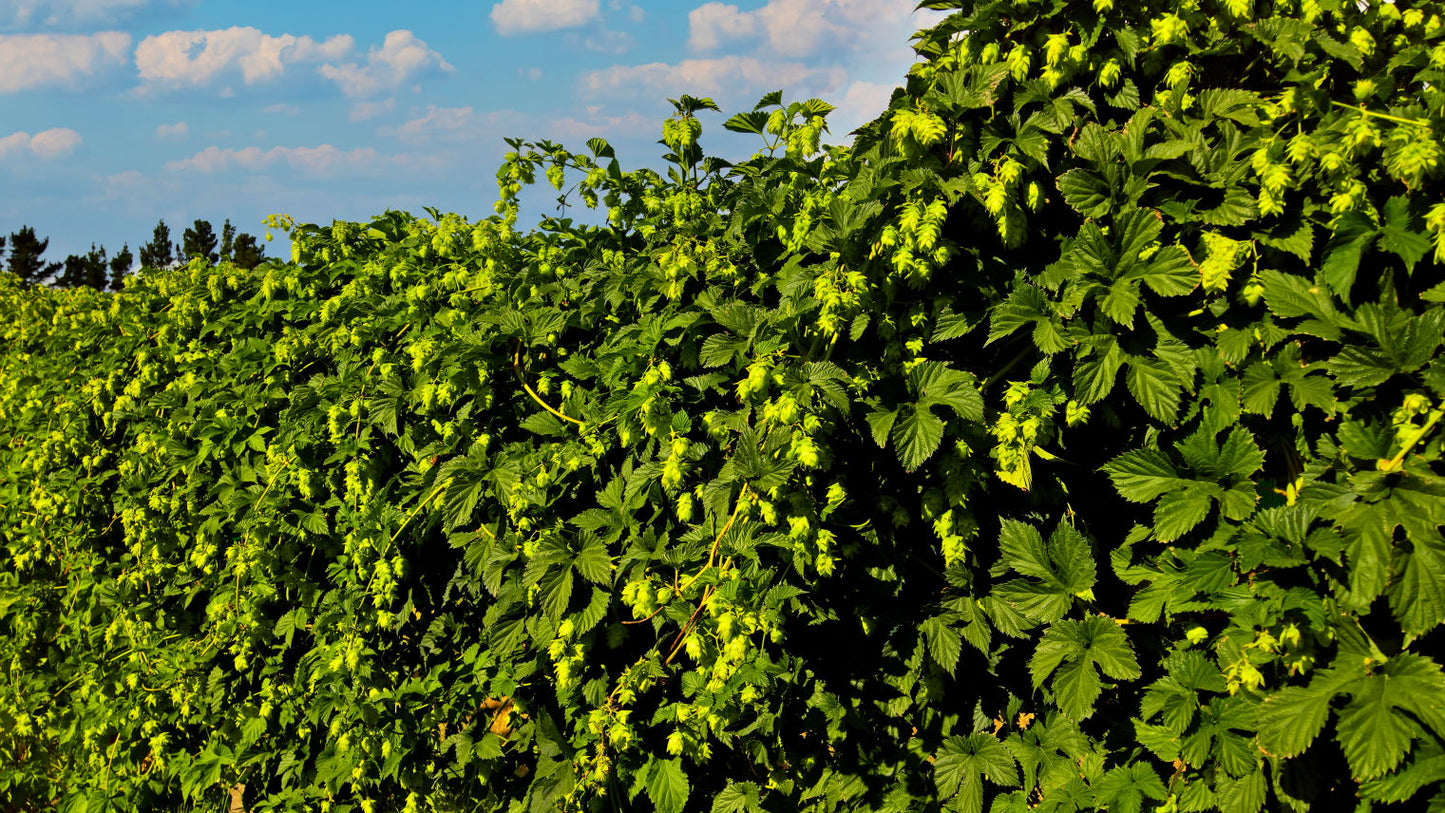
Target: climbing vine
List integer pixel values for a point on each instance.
(1069, 441)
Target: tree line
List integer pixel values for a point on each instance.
(24, 252)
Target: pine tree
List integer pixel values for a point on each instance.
(25, 252)
(228, 238)
(84, 269)
(120, 266)
(246, 252)
(200, 241)
(95, 268)
(158, 252)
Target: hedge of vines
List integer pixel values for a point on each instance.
(1070, 441)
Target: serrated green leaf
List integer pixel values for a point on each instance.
(1023, 549)
(1064, 566)
(1261, 389)
(1360, 367)
(1243, 795)
(1121, 302)
(1094, 376)
(1076, 688)
(1289, 296)
(667, 785)
(916, 435)
(1155, 388)
(1041, 602)
(461, 497)
(950, 325)
(1237, 208)
(935, 384)
(1049, 337)
(1085, 192)
(1170, 272)
(749, 122)
(1373, 734)
(944, 643)
(1367, 552)
(1353, 235)
(1297, 238)
(1425, 767)
(1074, 648)
(1159, 739)
(1417, 593)
(1239, 455)
(880, 423)
(1024, 305)
(1109, 647)
(963, 762)
(1124, 788)
(1144, 475)
(720, 349)
(1292, 718)
(737, 797)
(1397, 236)
(592, 562)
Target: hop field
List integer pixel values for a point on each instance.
(1069, 441)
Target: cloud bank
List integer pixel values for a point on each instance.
(513, 17)
(47, 144)
(31, 61)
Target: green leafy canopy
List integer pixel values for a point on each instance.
(1070, 440)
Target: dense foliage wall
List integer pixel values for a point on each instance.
(1070, 442)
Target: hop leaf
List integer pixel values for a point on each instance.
(1070, 650)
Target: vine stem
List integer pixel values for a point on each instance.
(1435, 416)
(517, 368)
(362, 399)
(688, 627)
(717, 541)
(1385, 116)
(439, 489)
(1003, 371)
(246, 537)
(711, 557)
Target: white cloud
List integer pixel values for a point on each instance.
(400, 59)
(464, 125)
(609, 42)
(861, 103)
(362, 111)
(711, 76)
(283, 109)
(856, 49)
(323, 160)
(195, 58)
(46, 144)
(803, 28)
(15, 142)
(634, 13)
(455, 125)
(436, 120)
(530, 73)
(177, 131)
(74, 13)
(39, 60)
(626, 125)
(121, 186)
(712, 24)
(530, 16)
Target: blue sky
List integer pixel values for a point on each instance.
(114, 113)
